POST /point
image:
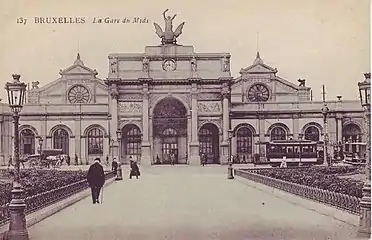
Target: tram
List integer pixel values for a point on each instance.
(296, 152)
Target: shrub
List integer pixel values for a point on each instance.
(38, 181)
(318, 177)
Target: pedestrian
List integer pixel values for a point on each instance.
(114, 166)
(157, 159)
(204, 159)
(134, 169)
(173, 158)
(10, 161)
(76, 159)
(96, 179)
(68, 160)
(107, 160)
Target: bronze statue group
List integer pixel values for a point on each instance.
(96, 176)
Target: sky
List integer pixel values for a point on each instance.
(323, 41)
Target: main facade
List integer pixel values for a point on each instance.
(172, 101)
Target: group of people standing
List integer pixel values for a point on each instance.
(96, 175)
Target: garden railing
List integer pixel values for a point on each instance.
(338, 200)
(42, 200)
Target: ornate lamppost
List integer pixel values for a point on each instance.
(365, 202)
(40, 147)
(300, 136)
(230, 160)
(119, 175)
(17, 227)
(325, 111)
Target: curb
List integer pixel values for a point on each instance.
(320, 208)
(40, 215)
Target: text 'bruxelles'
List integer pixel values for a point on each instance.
(82, 20)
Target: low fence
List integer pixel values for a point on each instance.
(338, 200)
(42, 200)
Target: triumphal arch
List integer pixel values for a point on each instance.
(169, 103)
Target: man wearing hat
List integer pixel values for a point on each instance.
(96, 179)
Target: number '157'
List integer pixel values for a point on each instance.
(21, 20)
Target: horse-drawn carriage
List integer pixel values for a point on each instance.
(47, 158)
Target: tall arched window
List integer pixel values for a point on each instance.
(61, 140)
(244, 141)
(95, 141)
(312, 133)
(209, 142)
(351, 133)
(27, 138)
(278, 133)
(132, 140)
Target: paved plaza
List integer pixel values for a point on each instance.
(188, 203)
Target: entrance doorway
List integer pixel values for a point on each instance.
(209, 143)
(170, 132)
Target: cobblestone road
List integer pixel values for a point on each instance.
(188, 203)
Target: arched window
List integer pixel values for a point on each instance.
(352, 133)
(95, 141)
(132, 140)
(244, 141)
(312, 133)
(278, 133)
(61, 140)
(209, 142)
(27, 138)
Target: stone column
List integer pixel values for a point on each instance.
(194, 145)
(188, 136)
(338, 128)
(145, 146)
(261, 138)
(114, 94)
(296, 126)
(225, 124)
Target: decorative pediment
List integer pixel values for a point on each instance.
(258, 67)
(78, 68)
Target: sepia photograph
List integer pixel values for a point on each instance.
(185, 120)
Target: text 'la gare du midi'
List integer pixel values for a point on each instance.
(82, 20)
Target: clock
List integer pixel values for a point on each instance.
(258, 93)
(169, 65)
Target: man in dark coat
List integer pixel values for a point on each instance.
(114, 166)
(68, 159)
(96, 179)
(134, 169)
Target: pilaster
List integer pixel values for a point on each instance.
(114, 121)
(194, 145)
(145, 146)
(225, 124)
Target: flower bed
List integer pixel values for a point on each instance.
(319, 177)
(38, 181)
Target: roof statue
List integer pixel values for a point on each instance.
(168, 36)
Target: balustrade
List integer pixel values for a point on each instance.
(338, 200)
(42, 200)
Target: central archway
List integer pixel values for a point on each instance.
(170, 132)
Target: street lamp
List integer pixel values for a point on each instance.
(230, 160)
(119, 175)
(325, 111)
(17, 227)
(300, 136)
(40, 148)
(40, 144)
(365, 202)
